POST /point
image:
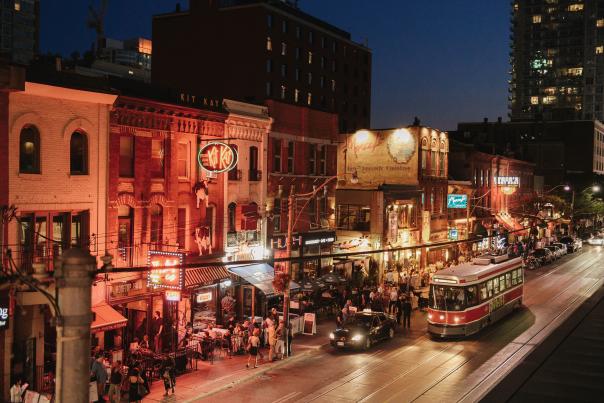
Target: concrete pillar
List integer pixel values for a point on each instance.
(73, 276)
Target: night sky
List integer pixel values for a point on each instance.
(445, 61)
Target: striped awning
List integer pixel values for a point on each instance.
(205, 275)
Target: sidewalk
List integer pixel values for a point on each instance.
(228, 372)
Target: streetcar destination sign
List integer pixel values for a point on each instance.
(217, 157)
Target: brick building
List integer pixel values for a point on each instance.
(254, 50)
(302, 154)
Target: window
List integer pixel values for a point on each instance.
(490, 288)
(126, 156)
(447, 298)
(125, 233)
(254, 173)
(514, 278)
(309, 57)
(471, 296)
(298, 32)
(232, 212)
(424, 160)
(334, 46)
(322, 82)
(298, 52)
(297, 74)
(290, 157)
(536, 19)
(322, 62)
(534, 100)
(323, 42)
(441, 164)
(235, 173)
(495, 285)
(157, 220)
(284, 26)
(600, 23)
(283, 70)
(312, 159)
(334, 66)
(157, 158)
(269, 43)
(269, 88)
(283, 92)
(277, 215)
(296, 95)
(502, 286)
(333, 85)
(309, 78)
(183, 160)
(432, 204)
(312, 211)
(276, 155)
(309, 99)
(78, 154)
(599, 50)
(29, 150)
(269, 66)
(575, 7)
(508, 280)
(323, 160)
(269, 21)
(181, 233)
(310, 37)
(353, 217)
(283, 48)
(433, 162)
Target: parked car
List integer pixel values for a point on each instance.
(596, 241)
(570, 243)
(556, 251)
(563, 247)
(544, 255)
(363, 330)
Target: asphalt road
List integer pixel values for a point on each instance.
(413, 367)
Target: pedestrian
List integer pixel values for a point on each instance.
(253, 345)
(115, 382)
(272, 342)
(158, 329)
(16, 392)
(399, 309)
(168, 374)
(280, 335)
(290, 338)
(98, 372)
(134, 381)
(346, 311)
(145, 343)
(393, 300)
(406, 313)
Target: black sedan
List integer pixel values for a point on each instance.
(363, 329)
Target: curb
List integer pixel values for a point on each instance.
(263, 369)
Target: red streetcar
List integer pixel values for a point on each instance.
(468, 297)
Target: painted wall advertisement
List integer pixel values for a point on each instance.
(369, 159)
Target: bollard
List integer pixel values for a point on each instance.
(73, 278)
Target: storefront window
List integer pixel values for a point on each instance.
(157, 158)
(232, 215)
(353, 217)
(204, 307)
(277, 215)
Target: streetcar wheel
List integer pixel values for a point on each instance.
(391, 333)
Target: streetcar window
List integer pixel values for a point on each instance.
(508, 280)
(446, 298)
(490, 288)
(519, 275)
(471, 296)
(514, 278)
(502, 285)
(496, 285)
(483, 291)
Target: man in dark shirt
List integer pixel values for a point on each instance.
(158, 330)
(115, 383)
(406, 313)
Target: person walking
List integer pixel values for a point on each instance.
(168, 374)
(406, 313)
(115, 382)
(134, 380)
(97, 370)
(399, 309)
(393, 300)
(253, 345)
(272, 342)
(280, 335)
(290, 338)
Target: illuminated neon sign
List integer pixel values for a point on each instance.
(217, 157)
(170, 276)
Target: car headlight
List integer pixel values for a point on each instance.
(332, 336)
(357, 337)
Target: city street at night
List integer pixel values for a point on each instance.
(414, 367)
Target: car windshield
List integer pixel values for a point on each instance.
(359, 320)
(539, 252)
(566, 239)
(445, 298)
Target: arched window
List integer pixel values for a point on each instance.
(157, 224)
(424, 155)
(78, 154)
(232, 216)
(254, 173)
(29, 150)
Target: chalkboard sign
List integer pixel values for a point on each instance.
(310, 323)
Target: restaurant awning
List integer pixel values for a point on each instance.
(259, 275)
(106, 318)
(205, 275)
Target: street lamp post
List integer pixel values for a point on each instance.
(291, 223)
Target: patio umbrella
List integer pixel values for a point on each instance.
(332, 278)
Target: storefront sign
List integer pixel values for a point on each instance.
(4, 313)
(217, 157)
(280, 242)
(371, 158)
(507, 181)
(165, 270)
(392, 226)
(453, 234)
(318, 238)
(203, 297)
(457, 201)
(172, 295)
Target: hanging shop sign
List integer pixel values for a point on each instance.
(172, 295)
(217, 157)
(4, 315)
(203, 297)
(457, 201)
(166, 270)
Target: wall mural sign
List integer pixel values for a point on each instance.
(166, 270)
(217, 157)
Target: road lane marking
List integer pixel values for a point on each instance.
(286, 397)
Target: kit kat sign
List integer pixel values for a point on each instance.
(217, 157)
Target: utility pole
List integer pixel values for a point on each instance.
(291, 199)
(73, 277)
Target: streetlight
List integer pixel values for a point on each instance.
(291, 223)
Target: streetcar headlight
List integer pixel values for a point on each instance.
(357, 337)
(429, 316)
(456, 319)
(332, 336)
(441, 317)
